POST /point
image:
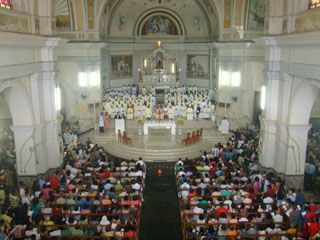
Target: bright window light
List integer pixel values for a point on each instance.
(145, 62)
(57, 99)
(173, 66)
(224, 78)
(263, 97)
(236, 79)
(94, 79)
(82, 79)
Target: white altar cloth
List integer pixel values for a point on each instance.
(159, 124)
(119, 124)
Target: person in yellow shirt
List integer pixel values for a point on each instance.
(232, 232)
(2, 198)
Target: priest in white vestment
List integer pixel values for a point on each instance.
(190, 113)
(177, 110)
(130, 112)
(224, 126)
(171, 113)
(143, 111)
(183, 111)
(213, 113)
(148, 113)
(112, 111)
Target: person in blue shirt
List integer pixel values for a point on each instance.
(79, 202)
(299, 197)
(309, 174)
(41, 182)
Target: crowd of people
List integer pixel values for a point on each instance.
(91, 196)
(190, 103)
(312, 170)
(7, 158)
(224, 195)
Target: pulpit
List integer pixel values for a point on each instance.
(119, 124)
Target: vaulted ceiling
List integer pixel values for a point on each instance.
(170, 20)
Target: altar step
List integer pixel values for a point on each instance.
(187, 124)
(127, 152)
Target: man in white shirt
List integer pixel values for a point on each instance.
(268, 200)
(224, 126)
(277, 217)
(215, 151)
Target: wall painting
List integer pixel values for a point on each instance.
(159, 25)
(256, 15)
(121, 66)
(197, 66)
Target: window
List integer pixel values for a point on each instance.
(224, 78)
(82, 79)
(263, 97)
(314, 4)
(57, 96)
(6, 4)
(236, 79)
(94, 82)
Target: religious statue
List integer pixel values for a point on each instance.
(159, 63)
(159, 113)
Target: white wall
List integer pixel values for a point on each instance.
(4, 109)
(315, 113)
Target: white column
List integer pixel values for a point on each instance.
(27, 161)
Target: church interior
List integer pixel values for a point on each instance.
(159, 119)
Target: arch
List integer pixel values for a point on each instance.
(162, 12)
(16, 97)
(107, 10)
(302, 101)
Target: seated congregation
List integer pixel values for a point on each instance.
(90, 197)
(223, 195)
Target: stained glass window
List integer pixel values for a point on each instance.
(6, 4)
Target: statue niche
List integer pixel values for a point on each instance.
(159, 57)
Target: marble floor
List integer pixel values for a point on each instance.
(159, 143)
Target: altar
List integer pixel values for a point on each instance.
(159, 124)
(159, 71)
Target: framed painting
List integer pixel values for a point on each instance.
(256, 15)
(121, 66)
(198, 66)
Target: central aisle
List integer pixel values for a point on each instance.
(160, 217)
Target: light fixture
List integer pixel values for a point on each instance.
(236, 79)
(263, 98)
(145, 62)
(173, 67)
(159, 43)
(139, 69)
(82, 79)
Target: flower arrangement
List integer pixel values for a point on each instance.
(140, 121)
(180, 121)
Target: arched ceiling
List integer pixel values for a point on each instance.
(132, 20)
(126, 16)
